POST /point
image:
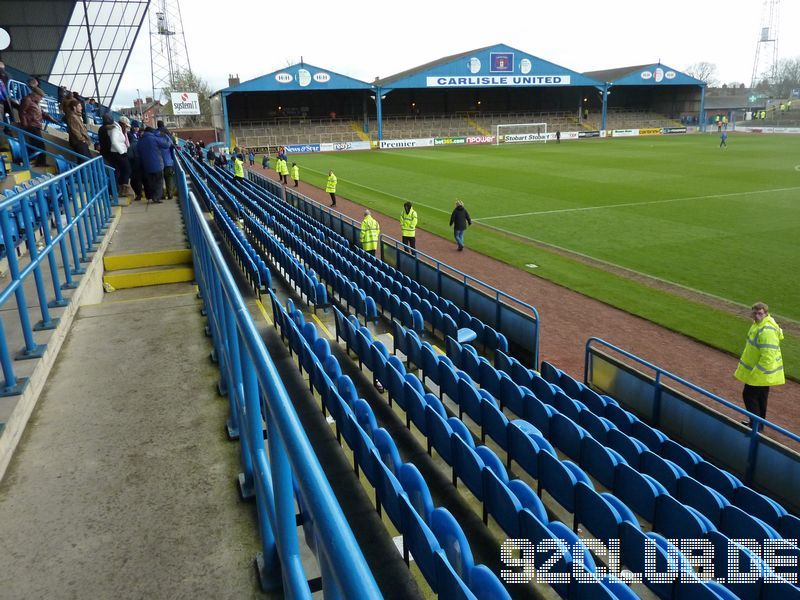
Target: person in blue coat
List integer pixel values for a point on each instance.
(169, 163)
(151, 148)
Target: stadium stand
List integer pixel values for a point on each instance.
(588, 459)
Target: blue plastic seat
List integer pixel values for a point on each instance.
(511, 395)
(387, 450)
(599, 462)
(485, 585)
(681, 455)
(598, 427)
(417, 490)
(633, 544)
(652, 438)
(550, 373)
(451, 586)
(758, 505)
(620, 417)
(572, 387)
(638, 491)
(469, 401)
(663, 471)
(364, 416)
(674, 520)
(494, 424)
(347, 390)
(737, 524)
(630, 448)
(452, 541)
(467, 466)
(596, 513)
(439, 434)
(720, 480)
(419, 541)
(389, 492)
(566, 435)
(705, 499)
(559, 479)
(538, 413)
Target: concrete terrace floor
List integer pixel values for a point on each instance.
(123, 485)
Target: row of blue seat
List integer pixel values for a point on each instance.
(605, 515)
(614, 426)
(249, 261)
(388, 286)
(432, 535)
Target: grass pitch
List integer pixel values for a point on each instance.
(722, 221)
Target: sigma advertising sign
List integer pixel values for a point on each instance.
(185, 103)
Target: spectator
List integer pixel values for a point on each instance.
(295, 174)
(265, 161)
(79, 139)
(761, 363)
(31, 116)
(459, 219)
(118, 154)
(151, 149)
(5, 99)
(134, 163)
(169, 163)
(723, 140)
(284, 170)
(330, 186)
(408, 225)
(251, 158)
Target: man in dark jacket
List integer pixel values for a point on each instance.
(133, 159)
(169, 163)
(150, 150)
(460, 220)
(31, 117)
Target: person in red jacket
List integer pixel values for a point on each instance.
(31, 117)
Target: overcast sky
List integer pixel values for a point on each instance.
(369, 39)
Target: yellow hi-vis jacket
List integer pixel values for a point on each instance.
(408, 223)
(296, 173)
(761, 362)
(370, 232)
(330, 187)
(284, 168)
(238, 167)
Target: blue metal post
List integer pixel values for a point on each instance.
(32, 349)
(33, 250)
(604, 92)
(51, 252)
(62, 243)
(379, 112)
(702, 107)
(225, 120)
(75, 242)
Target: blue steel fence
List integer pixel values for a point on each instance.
(515, 319)
(770, 463)
(287, 464)
(70, 212)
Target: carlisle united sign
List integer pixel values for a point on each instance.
(495, 80)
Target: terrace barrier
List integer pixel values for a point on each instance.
(686, 413)
(285, 470)
(515, 319)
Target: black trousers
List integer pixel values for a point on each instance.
(41, 160)
(410, 241)
(755, 399)
(136, 176)
(81, 148)
(153, 185)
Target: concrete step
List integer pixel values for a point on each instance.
(138, 260)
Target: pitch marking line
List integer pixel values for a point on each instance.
(585, 208)
(385, 193)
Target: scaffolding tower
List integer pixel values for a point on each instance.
(169, 55)
(765, 64)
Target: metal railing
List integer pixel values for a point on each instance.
(70, 211)
(270, 473)
(654, 393)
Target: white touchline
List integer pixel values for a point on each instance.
(366, 187)
(566, 210)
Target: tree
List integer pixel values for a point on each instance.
(787, 78)
(704, 71)
(187, 81)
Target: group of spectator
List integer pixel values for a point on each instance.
(141, 157)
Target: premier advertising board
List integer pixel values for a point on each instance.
(416, 143)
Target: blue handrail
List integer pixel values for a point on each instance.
(78, 203)
(661, 374)
(251, 379)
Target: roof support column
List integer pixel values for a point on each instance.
(604, 93)
(702, 108)
(225, 120)
(379, 109)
